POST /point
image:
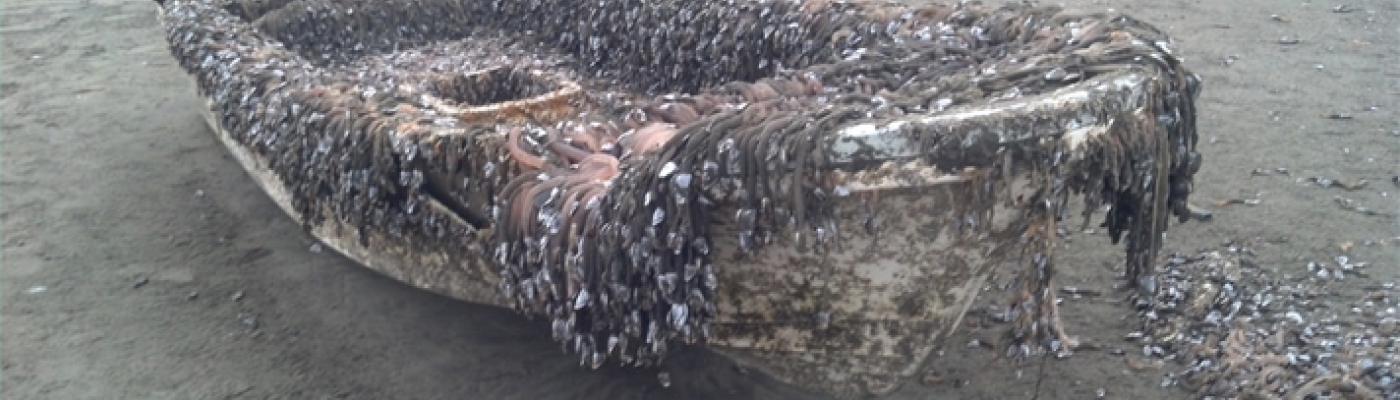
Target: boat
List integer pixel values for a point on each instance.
(815, 189)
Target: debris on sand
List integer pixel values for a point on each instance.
(1236, 329)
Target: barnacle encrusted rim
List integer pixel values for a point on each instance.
(826, 207)
(548, 106)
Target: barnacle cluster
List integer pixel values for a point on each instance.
(1238, 328)
(596, 142)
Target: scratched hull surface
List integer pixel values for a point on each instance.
(824, 210)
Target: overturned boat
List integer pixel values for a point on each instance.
(817, 189)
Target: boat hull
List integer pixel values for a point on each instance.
(919, 209)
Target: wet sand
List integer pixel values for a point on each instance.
(139, 261)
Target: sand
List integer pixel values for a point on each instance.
(140, 262)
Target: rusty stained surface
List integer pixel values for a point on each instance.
(870, 313)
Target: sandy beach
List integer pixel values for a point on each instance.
(140, 262)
